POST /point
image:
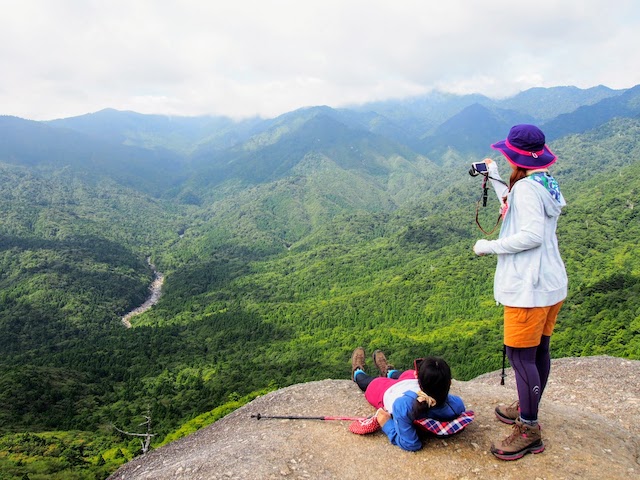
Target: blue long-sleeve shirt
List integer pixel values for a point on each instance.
(400, 428)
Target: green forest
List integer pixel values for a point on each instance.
(274, 281)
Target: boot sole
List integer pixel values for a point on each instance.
(521, 453)
(507, 420)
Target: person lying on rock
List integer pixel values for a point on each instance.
(402, 397)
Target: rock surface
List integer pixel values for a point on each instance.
(590, 414)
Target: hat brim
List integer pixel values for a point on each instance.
(526, 160)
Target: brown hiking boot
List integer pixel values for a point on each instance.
(357, 361)
(380, 361)
(508, 413)
(523, 439)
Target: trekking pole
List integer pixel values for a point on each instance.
(504, 356)
(258, 416)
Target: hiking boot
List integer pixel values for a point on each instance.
(357, 361)
(380, 361)
(523, 439)
(508, 413)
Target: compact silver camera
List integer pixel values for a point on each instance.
(478, 168)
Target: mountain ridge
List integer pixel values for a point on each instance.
(402, 120)
(38, 145)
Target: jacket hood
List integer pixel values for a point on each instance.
(550, 193)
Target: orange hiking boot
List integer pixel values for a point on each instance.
(523, 439)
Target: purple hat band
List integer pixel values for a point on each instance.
(535, 153)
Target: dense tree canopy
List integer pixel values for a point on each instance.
(272, 284)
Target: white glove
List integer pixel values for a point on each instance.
(482, 247)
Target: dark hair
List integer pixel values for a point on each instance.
(434, 377)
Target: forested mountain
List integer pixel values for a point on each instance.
(544, 104)
(467, 132)
(284, 243)
(590, 116)
(43, 148)
(180, 134)
(419, 116)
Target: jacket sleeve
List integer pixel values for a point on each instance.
(531, 215)
(499, 186)
(400, 428)
(451, 409)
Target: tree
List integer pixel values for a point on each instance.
(147, 436)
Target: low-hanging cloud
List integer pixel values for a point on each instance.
(247, 58)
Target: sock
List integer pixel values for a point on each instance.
(355, 374)
(390, 373)
(530, 423)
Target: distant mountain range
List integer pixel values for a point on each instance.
(160, 151)
(318, 160)
(388, 153)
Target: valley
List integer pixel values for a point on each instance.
(283, 243)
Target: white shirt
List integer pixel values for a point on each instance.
(396, 390)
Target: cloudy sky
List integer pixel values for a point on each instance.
(239, 58)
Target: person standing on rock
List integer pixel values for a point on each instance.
(402, 397)
(530, 279)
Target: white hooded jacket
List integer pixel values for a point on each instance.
(530, 271)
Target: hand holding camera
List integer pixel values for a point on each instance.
(488, 169)
(485, 167)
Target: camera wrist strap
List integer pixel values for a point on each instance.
(483, 199)
(478, 221)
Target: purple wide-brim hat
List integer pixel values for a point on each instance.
(525, 147)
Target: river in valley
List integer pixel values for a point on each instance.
(155, 291)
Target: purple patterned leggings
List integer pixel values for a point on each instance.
(532, 366)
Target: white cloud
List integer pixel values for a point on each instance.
(242, 58)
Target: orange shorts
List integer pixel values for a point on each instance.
(524, 327)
